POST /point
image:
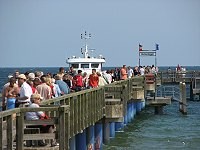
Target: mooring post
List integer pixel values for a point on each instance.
(191, 90)
(184, 105)
(181, 99)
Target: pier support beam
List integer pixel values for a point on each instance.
(112, 129)
(138, 107)
(129, 112)
(98, 136)
(90, 137)
(72, 143)
(183, 101)
(125, 118)
(119, 126)
(106, 133)
(159, 110)
(81, 140)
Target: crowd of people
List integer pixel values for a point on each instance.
(20, 87)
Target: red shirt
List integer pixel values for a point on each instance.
(78, 80)
(93, 80)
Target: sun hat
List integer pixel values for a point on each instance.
(31, 76)
(10, 76)
(33, 96)
(22, 76)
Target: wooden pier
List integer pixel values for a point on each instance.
(188, 77)
(85, 119)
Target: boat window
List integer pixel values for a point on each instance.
(94, 65)
(74, 65)
(84, 65)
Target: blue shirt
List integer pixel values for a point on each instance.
(63, 86)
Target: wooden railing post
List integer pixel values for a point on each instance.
(64, 127)
(9, 121)
(1, 133)
(20, 131)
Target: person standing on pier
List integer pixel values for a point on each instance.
(43, 89)
(123, 73)
(11, 93)
(130, 72)
(93, 79)
(24, 93)
(78, 81)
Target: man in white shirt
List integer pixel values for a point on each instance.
(142, 70)
(130, 72)
(25, 91)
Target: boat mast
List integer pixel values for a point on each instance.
(85, 37)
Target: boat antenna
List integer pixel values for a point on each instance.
(85, 37)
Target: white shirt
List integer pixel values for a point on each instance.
(141, 71)
(25, 90)
(34, 115)
(130, 73)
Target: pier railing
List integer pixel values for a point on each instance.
(178, 76)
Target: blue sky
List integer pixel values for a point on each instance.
(43, 33)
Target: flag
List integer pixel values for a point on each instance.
(157, 46)
(140, 47)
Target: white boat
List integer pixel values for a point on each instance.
(87, 62)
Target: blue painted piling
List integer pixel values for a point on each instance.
(143, 104)
(126, 118)
(119, 126)
(90, 137)
(81, 140)
(129, 112)
(132, 110)
(138, 107)
(112, 129)
(72, 143)
(106, 132)
(98, 136)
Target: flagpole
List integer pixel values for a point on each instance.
(139, 53)
(139, 59)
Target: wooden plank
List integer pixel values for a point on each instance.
(113, 100)
(78, 114)
(20, 131)
(75, 115)
(72, 114)
(39, 136)
(67, 128)
(41, 122)
(62, 127)
(9, 132)
(1, 133)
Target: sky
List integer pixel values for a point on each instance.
(44, 33)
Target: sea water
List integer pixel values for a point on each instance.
(170, 131)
